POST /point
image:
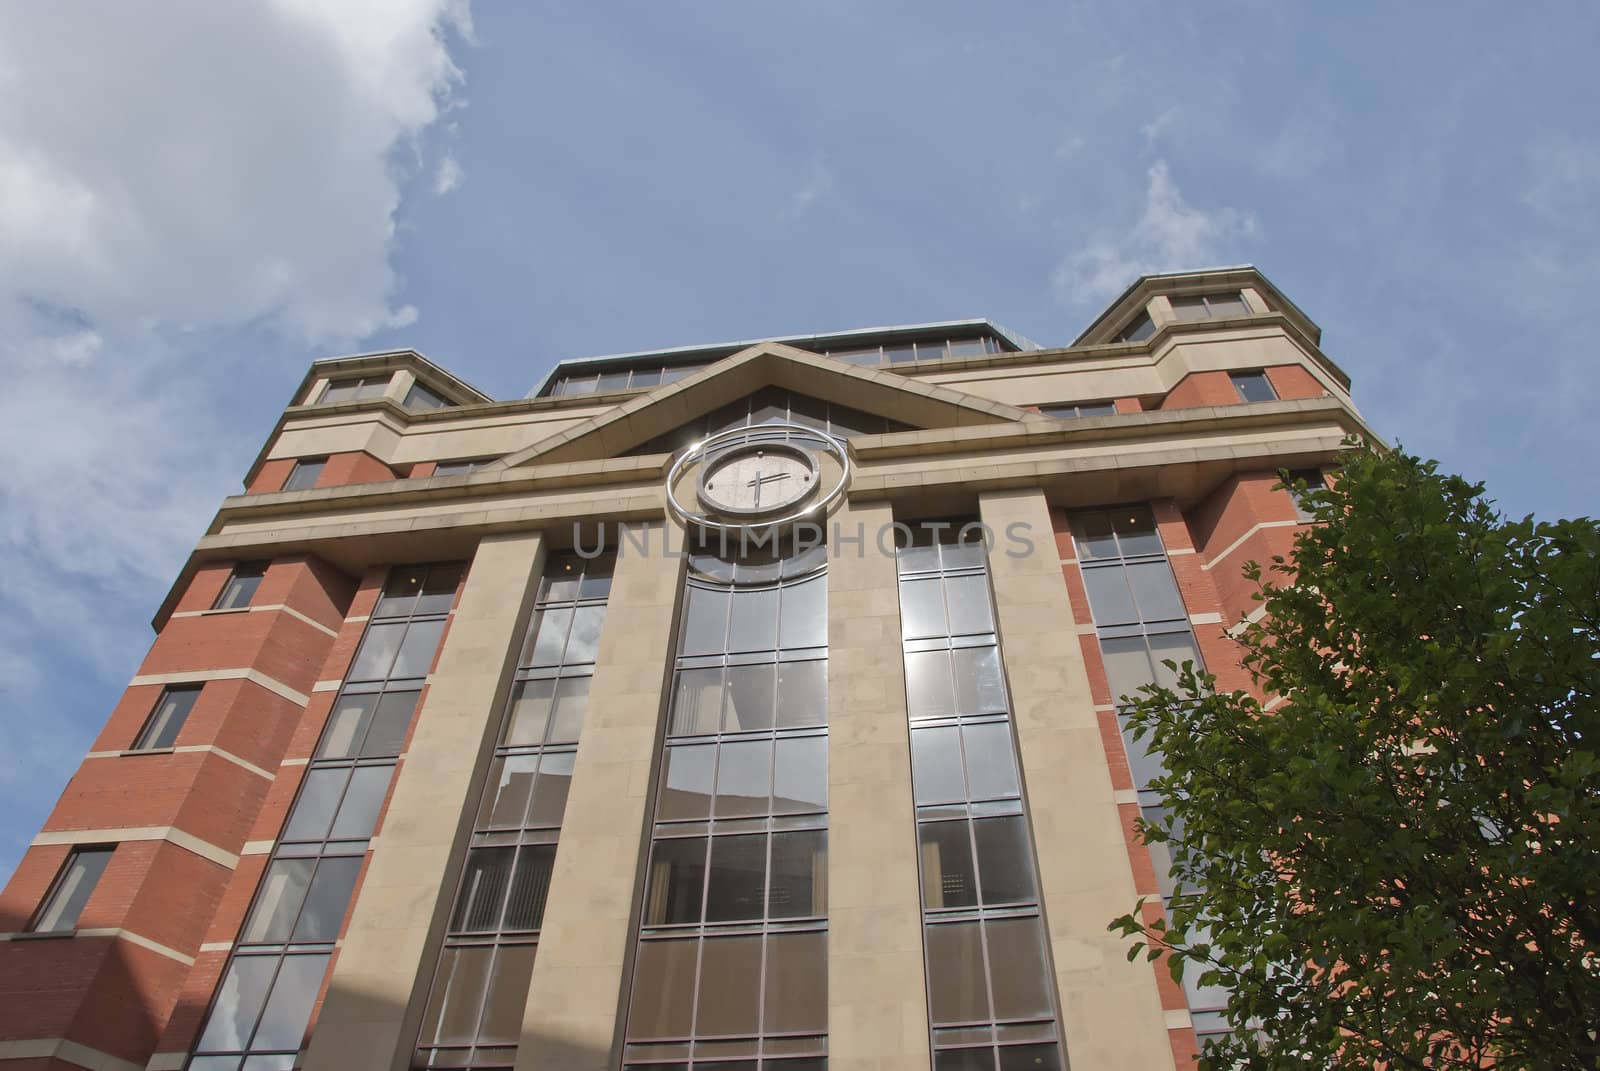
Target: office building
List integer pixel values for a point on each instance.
(742, 707)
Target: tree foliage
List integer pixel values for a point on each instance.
(1399, 864)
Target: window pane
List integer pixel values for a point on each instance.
(597, 577)
(729, 1001)
(1021, 978)
(697, 702)
(677, 881)
(735, 888)
(313, 811)
(172, 710)
(358, 814)
(304, 475)
(1144, 764)
(750, 697)
(452, 1015)
(797, 984)
(1136, 531)
(1095, 537)
(510, 784)
(550, 638)
(238, 1003)
(968, 553)
(282, 890)
(329, 898)
(967, 347)
(645, 377)
(663, 990)
(1109, 598)
(744, 776)
(530, 711)
(550, 791)
(585, 638)
(530, 887)
(416, 652)
(572, 706)
(1155, 591)
(901, 354)
(387, 734)
(439, 590)
(483, 890)
(705, 621)
(969, 605)
(802, 693)
(1192, 307)
(922, 608)
(1254, 387)
(928, 686)
(1030, 1058)
(948, 878)
(1005, 863)
(799, 884)
(1227, 305)
(283, 1023)
(1127, 665)
(991, 767)
(754, 624)
(918, 557)
(804, 621)
(400, 591)
(979, 688)
(1176, 647)
(507, 995)
(956, 988)
(378, 648)
(936, 765)
(241, 586)
(800, 775)
(964, 1060)
(347, 725)
(686, 784)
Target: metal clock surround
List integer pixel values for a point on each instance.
(759, 437)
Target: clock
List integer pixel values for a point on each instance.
(758, 479)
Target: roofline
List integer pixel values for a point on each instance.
(1021, 342)
(441, 372)
(1115, 307)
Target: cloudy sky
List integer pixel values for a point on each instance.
(198, 199)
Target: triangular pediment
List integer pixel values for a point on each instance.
(652, 418)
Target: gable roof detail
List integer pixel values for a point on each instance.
(767, 364)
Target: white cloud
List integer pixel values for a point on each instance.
(1169, 235)
(819, 182)
(167, 180)
(448, 175)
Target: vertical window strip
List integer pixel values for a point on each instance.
(1141, 623)
(272, 979)
(731, 962)
(991, 995)
(473, 1018)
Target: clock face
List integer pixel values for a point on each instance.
(754, 481)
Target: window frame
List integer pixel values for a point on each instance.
(305, 464)
(48, 902)
(417, 388)
(1075, 410)
(153, 728)
(1138, 329)
(1208, 305)
(361, 387)
(1252, 375)
(240, 572)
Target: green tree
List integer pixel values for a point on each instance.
(1399, 864)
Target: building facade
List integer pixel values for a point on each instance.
(748, 707)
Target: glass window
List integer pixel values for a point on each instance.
(1080, 409)
(167, 719)
(1253, 387)
(417, 650)
(958, 990)
(461, 467)
(420, 397)
(936, 765)
(677, 879)
(1005, 860)
(358, 388)
(949, 878)
(1139, 329)
(728, 1003)
(796, 997)
(686, 783)
(241, 586)
(1313, 480)
(71, 890)
(305, 473)
(1190, 307)
(238, 1002)
(663, 989)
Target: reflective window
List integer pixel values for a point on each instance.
(355, 389)
(1253, 387)
(166, 720)
(241, 586)
(71, 889)
(1073, 410)
(420, 397)
(473, 1017)
(262, 1008)
(1312, 478)
(732, 955)
(989, 979)
(306, 472)
(1141, 328)
(774, 404)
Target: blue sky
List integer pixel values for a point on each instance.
(194, 207)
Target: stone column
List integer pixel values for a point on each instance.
(1111, 1010)
(371, 1013)
(877, 1003)
(574, 1016)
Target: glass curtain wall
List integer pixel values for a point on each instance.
(258, 1020)
(474, 1012)
(731, 966)
(991, 998)
(1141, 623)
